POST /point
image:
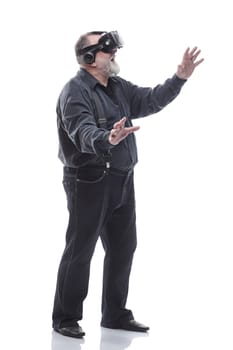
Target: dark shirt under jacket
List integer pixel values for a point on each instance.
(81, 141)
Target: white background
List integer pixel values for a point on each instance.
(181, 283)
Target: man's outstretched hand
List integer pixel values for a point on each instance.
(119, 132)
(189, 63)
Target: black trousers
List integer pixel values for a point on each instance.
(99, 206)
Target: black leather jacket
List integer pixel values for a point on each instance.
(82, 142)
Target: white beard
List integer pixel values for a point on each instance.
(114, 68)
(109, 67)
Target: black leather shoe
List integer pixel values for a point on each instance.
(128, 325)
(71, 331)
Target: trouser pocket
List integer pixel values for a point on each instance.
(90, 175)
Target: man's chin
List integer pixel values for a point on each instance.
(114, 69)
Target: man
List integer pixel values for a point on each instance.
(98, 150)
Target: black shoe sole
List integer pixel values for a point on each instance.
(68, 334)
(141, 330)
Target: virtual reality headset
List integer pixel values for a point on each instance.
(108, 43)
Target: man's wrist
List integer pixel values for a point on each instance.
(180, 76)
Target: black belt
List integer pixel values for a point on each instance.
(74, 171)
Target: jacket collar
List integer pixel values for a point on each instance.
(87, 78)
(91, 81)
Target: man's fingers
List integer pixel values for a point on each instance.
(120, 124)
(133, 128)
(198, 62)
(119, 134)
(127, 131)
(124, 132)
(193, 50)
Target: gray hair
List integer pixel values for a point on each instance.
(82, 43)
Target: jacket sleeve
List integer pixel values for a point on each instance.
(79, 123)
(145, 101)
